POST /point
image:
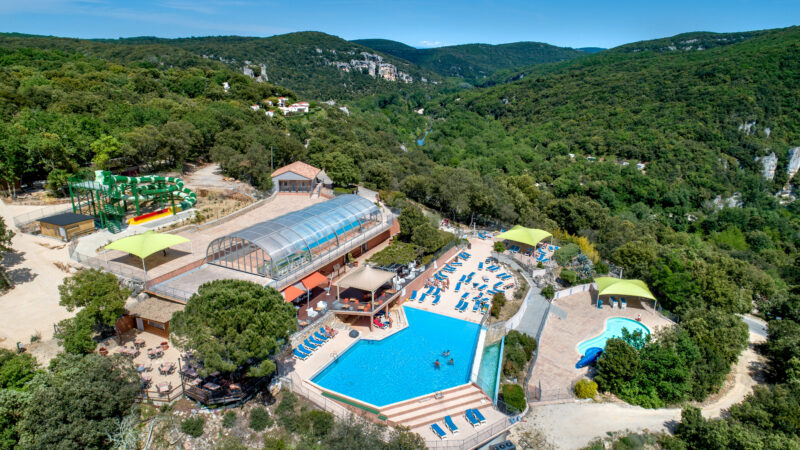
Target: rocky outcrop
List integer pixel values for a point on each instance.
(261, 77)
(794, 162)
(768, 165)
(373, 65)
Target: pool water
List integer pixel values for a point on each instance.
(488, 373)
(613, 329)
(400, 367)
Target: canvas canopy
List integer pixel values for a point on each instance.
(616, 286)
(529, 236)
(366, 279)
(145, 244)
(292, 292)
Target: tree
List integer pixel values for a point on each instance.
(618, 365)
(5, 247)
(98, 293)
(340, 168)
(499, 247)
(16, 370)
(411, 218)
(549, 292)
(232, 324)
(105, 148)
(79, 402)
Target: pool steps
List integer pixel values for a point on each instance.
(428, 409)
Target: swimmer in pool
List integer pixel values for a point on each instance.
(437, 364)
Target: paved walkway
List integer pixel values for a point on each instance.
(535, 314)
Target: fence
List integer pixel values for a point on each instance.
(120, 270)
(21, 221)
(574, 290)
(160, 397)
(485, 434)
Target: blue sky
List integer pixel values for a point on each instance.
(569, 23)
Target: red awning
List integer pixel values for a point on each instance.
(291, 293)
(314, 280)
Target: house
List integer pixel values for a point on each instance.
(269, 113)
(299, 177)
(151, 315)
(299, 107)
(282, 101)
(255, 107)
(226, 86)
(66, 226)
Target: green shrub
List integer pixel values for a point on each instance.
(499, 247)
(193, 426)
(274, 443)
(566, 253)
(229, 419)
(316, 423)
(601, 268)
(495, 309)
(569, 276)
(516, 339)
(585, 388)
(549, 292)
(259, 419)
(514, 397)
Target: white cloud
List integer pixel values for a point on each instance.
(430, 43)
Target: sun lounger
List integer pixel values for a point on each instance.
(458, 287)
(460, 304)
(309, 345)
(422, 297)
(498, 284)
(314, 341)
(463, 307)
(478, 415)
(483, 286)
(320, 337)
(463, 277)
(438, 431)
(413, 296)
(456, 264)
(599, 304)
(464, 297)
(471, 274)
(623, 304)
(436, 291)
(491, 291)
(471, 418)
(448, 421)
(465, 255)
(480, 266)
(436, 299)
(300, 355)
(304, 350)
(476, 306)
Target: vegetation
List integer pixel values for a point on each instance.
(259, 419)
(499, 247)
(5, 247)
(63, 413)
(193, 426)
(417, 239)
(518, 351)
(229, 419)
(585, 388)
(233, 324)
(549, 292)
(513, 397)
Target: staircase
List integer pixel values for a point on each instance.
(426, 410)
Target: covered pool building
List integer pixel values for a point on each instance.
(312, 236)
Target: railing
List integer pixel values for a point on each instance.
(160, 397)
(318, 399)
(120, 270)
(170, 292)
(574, 290)
(485, 434)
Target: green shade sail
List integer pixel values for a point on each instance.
(616, 286)
(145, 244)
(530, 236)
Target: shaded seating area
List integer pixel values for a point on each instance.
(365, 292)
(616, 292)
(309, 297)
(525, 241)
(146, 244)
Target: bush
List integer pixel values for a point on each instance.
(319, 423)
(499, 247)
(585, 388)
(514, 397)
(229, 419)
(274, 443)
(528, 343)
(259, 419)
(601, 268)
(569, 276)
(549, 292)
(566, 253)
(193, 426)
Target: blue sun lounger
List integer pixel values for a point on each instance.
(476, 306)
(314, 341)
(458, 287)
(448, 421)
(463, 277)
(478, 415)
(482, 287)
(498, 284)
(456, 264)
(436, 300)
(471, 274)
(501, 275)
(320, 337)
(439, 431)
(413, 296)
(300, 355)
(463, 307)
(309, 345)
(471, 418)
(304, 350)
(465, 296)
(436, 290)
(491, 291)
(422, 297)
(480, 266)
(460, 304)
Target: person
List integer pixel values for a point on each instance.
(437, 364)
(451, 362)
(165, 252)
(446, 353)
(638, 317)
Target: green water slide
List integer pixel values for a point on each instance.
(150, 187)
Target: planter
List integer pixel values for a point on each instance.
(164, 345)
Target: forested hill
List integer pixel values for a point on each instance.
(313, 64)
(697, 119)
(316, 65)
(473, 62)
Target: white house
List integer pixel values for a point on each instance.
(282, 101)
(255, 107)
(269, 113)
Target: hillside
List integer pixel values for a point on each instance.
(697, 120)
(313, 64)
(473, 62)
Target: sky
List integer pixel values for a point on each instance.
(432, 23)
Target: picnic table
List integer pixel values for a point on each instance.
(138, 342)
(211, 386)
(163, 387)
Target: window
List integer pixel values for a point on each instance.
(158, 325)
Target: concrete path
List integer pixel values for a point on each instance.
(535, 314)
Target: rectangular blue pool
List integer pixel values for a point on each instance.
(401, 366)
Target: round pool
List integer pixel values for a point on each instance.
(614, 327)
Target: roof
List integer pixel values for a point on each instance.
(145, 244)
(292, 292)
(64, 219)
(616, 286)
(530, 236)
(314, 280)
(366, 279)
(155, 309)
(300, 168)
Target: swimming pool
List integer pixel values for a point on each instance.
(488, 373)
(614, 327)
(400, 367)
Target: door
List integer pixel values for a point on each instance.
(139, 324)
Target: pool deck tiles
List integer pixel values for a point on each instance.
(558, 353)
